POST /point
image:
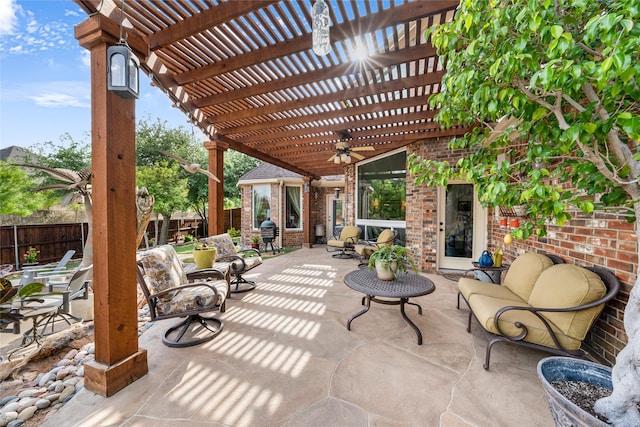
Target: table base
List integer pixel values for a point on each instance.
(402, 301)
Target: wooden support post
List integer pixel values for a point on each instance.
(118, 360)
(307, 226)
(216, 151)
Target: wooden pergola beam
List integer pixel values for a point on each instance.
(414, 53)
(317, 119)
(284, 136)
(118, 360)
(414, 10)
(375, 89)
(204, 20)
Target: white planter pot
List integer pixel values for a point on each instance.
(386, 273)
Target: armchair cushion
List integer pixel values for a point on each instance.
(385, 238)
(348, 237)
(163, 268)
(191, 298)
(224, 244)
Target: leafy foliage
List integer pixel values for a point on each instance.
(236, 164)
(169, 187)
(16, 191)
(563, 75)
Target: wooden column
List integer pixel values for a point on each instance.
(118, 360)
(216, 151)
(307, 225)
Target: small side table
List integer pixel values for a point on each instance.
(493, 273)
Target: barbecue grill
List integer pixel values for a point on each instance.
(268, 231)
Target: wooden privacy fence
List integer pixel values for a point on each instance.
(51, 240)
(54, 240)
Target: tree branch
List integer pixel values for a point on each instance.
(597, 55)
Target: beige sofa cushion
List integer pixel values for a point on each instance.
(485, 309)
(468, 287)
(523, 273)
(567, 285)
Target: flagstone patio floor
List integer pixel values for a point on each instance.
(286, 358)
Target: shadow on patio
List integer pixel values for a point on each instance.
(285, 357)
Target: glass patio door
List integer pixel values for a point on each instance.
(461, 226)
(335, 216)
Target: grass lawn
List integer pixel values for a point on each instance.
(188, 248)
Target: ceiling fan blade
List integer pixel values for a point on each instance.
(331, 158)
(365, 148)
(357, 156)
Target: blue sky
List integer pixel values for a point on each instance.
(45, 76)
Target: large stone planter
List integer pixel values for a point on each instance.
(565, 413)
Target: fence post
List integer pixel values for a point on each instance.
(82, 236)
(15, 242)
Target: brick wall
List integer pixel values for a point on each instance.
(290, 239)
(599, 239)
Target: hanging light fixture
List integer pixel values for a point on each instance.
(320, 26)
(123, 68)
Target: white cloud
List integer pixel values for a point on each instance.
(53, 94)
(85, 58)
(54, 100)
(69, 12)
(32, 25)
(8, 18)
(28, 34)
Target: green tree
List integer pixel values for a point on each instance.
(236, 164)
(563, 77)
(152, 137)
(67, 154)
(167, 184)
(16, 192)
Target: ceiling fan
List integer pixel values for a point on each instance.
(344, 151)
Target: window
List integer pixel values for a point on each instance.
(261, 204)
(293, 207)
(382, 195)
(382, 189)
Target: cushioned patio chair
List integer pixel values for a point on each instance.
(365, 248)
(240, 261)
(345, 243)
(169, 294)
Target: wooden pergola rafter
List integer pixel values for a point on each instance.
(244, 72)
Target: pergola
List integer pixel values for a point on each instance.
(244, 72)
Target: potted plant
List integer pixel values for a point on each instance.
(580, 377)
(31, 256)
(255, 242)
(204, 255)
(388, 260)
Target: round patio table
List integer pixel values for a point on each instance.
(405, 286)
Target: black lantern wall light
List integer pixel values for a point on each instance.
(123, 68)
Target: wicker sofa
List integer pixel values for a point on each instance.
(542, 305)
